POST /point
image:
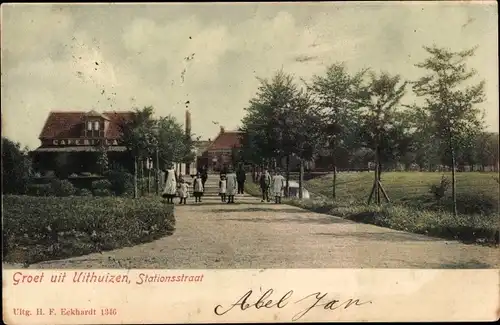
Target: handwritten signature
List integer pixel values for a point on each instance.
(315, 300)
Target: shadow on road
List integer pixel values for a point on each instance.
(294, 219)
(383, 236)
(205, 203)
(250, 209)
(472, 264)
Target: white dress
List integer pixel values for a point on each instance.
(184, 191)
(222, 186)
(277, 186)
(198, 185)
(231, 184)
(170, 183)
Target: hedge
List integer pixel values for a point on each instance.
(46, 228)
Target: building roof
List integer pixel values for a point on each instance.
(226, 140)
(70, 124)
(80, 149)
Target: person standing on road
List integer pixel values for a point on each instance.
(204, 175)
(198, 188)
(265, 182)
(278, 186)
(241, 177)
(183, 191)
(231, 185)
(170, 189)
(222, 187)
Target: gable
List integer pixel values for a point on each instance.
(225, 141)
(70, 124)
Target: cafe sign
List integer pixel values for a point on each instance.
(84, 142)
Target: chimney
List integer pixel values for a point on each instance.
(188, 122)
(222, 129)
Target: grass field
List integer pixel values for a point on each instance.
(413, 208)
(476, 192)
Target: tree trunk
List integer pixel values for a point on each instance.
(287, 190)
(157, 173)
(301, 178)
(135, 177)
(149, 179)
(453, 176)
(377, 176)
(334, 185)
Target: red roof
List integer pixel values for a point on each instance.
(226, 140)
(70, 124)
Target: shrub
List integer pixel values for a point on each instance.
(468, 228)
(84, 192)
(62, 187)
(439, 191)
(40, 190)
(122, 183)
(102, 192)
(101, 184)
(16, 168)
(40, 228)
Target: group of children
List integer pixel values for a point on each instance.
(183, 190)
(227, 188)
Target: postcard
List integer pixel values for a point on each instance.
(250, 162)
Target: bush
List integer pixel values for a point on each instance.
(101, 184)
(439, 191)
(16, 168)
(40, 228)
(122, 183)
(62, 187)
(40, 190)
(101, 188)
(102, 192)
(468, 228)
(84, 192)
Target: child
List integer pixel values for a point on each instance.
(222, 187)
(277, 186)
(183, 191)
(198, 188)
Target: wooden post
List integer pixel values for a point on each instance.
(287, 176)
(301, 178)
(149, 175)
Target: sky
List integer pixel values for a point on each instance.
(67, 57)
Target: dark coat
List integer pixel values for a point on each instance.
(241, 175)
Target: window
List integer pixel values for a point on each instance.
(89, 126)
(96, 125)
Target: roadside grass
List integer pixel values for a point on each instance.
(38, 229)
(412, 207)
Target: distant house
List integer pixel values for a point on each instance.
(71, 141)
(220, 151)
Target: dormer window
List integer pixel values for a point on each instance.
(89, 126)
(96, 125)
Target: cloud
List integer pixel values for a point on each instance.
(76, 57)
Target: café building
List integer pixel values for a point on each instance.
(73, 142)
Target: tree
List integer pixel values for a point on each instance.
(487, 147)
(16, 168)
(280, 123)
(451, 106)
(380, 121)
(266, 129)
(139, 136)
(102, 160)
(174, 145)
(335, 93)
